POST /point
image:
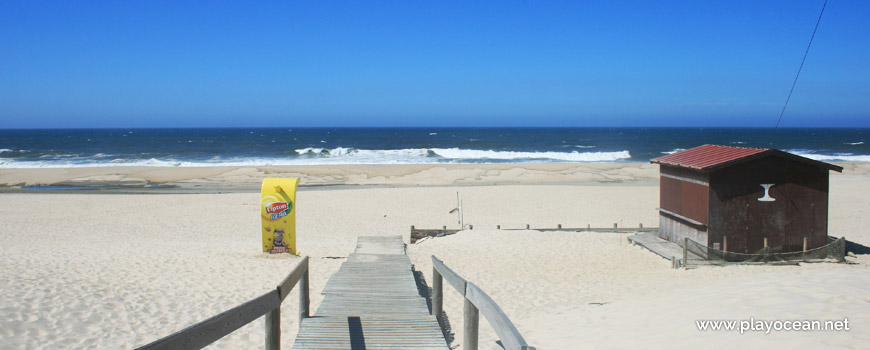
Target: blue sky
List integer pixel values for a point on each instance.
(431, 63)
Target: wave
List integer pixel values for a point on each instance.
(339, 155)
(456, 153)
(837, 157)
(854, 143)
(675, 150)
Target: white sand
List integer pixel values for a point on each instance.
(118, 271)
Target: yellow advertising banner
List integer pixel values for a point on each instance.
(278, 215)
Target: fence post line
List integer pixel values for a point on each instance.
(471, 318)
(273, 329)
(437, 296)
(685, 251)
(304, 302)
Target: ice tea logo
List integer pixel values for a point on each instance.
(277, 210)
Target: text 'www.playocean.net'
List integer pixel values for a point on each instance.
(767, 326)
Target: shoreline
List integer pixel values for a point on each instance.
(236, 179)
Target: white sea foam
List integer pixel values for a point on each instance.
(839, 157)
(465, 154)
(675, 150)
(339, 155)
(855, 143)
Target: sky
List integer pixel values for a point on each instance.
(85, 64)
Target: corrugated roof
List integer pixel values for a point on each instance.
(708, 157)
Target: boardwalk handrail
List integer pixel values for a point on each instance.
(206, 332)
(476, 300)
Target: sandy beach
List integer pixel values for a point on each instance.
(173, 246)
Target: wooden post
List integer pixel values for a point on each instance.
(560, 226)
(471, 227)
(725, 244)
(674, 262)
(804, 254)
(304, 302)
(445, 228)
(498, 227)
(437, 296)
(615, 227)
(685, 251)
(528, 226)
(765, 242)
(471, 317)
(412, 228)
(640, 225)
(588, 227)
(273, 329)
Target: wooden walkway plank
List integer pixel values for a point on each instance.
(372, 302)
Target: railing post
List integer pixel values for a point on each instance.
(437, 296)
(471, 318)
(304, 302)
(273, 329)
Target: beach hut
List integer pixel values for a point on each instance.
(739, 199)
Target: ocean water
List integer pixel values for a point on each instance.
(304, 146)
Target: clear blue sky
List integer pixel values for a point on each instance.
(431, 63)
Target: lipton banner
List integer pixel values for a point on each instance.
(278, 215)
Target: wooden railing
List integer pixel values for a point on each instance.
(476, 302)
(206, 332)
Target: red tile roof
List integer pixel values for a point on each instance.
(708, 157)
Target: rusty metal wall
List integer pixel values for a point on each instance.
(684, 191)
(800, 209)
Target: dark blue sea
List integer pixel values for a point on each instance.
(292, 146)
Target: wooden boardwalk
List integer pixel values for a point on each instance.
(372, 302)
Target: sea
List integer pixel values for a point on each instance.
(190, 147)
